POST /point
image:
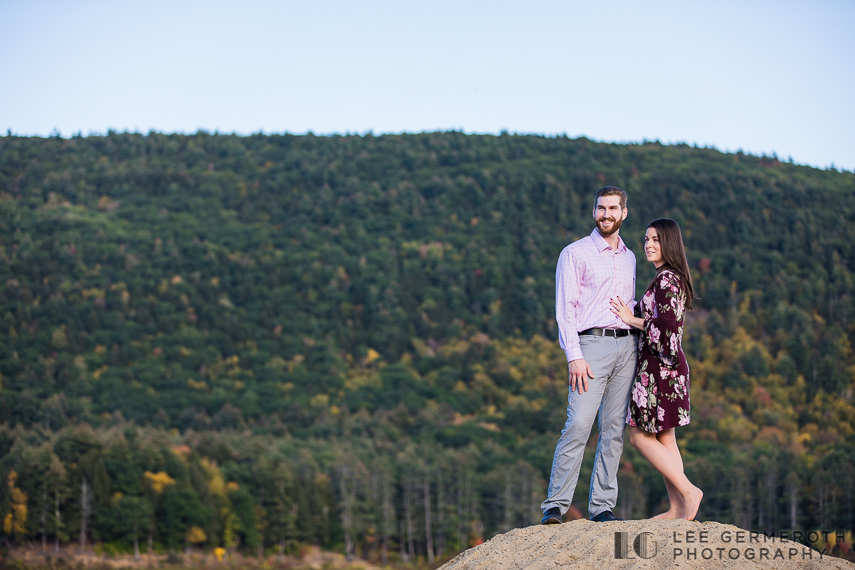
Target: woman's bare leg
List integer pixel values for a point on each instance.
(675, 511)
(671, 468)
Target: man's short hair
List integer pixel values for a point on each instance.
(611, 191)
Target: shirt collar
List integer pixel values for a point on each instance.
(602, 244)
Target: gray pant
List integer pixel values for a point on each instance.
(612, 361)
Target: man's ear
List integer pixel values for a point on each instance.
(625, 212)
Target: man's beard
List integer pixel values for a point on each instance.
(615, 226)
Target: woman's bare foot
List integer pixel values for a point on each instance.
(691, 503)
(675, 504)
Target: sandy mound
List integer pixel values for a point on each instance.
(670, 544)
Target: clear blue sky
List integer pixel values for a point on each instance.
(760, 76)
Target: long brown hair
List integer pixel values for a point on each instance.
(673, 253)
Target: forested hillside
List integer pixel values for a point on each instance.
(253, 342)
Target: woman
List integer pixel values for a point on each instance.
(660, 393)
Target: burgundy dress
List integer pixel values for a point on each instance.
(660, 392)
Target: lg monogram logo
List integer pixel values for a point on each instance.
(642, 546)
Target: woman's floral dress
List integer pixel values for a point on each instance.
(660, 393)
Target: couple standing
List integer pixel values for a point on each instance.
(641, 382)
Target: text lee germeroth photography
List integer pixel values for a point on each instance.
(746, 545)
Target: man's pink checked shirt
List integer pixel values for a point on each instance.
(588, 275)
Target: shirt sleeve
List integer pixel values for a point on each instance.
(567, 289)
(663, 328)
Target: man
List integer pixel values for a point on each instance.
(600, 352)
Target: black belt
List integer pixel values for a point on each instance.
(617, 333)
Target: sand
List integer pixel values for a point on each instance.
(583, 544)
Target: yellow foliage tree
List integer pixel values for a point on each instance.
(231, 525)
(155, 484)
(371, 356)
(15, 522)
(220, 489)
(216, 482)
(196, 535)
(159, 481)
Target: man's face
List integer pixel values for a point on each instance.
(609, 215)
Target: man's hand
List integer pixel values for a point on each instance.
(579, 374)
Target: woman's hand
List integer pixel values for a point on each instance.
(624, 313)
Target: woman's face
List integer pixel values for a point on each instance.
(652, 247)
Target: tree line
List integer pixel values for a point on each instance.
(348, 301)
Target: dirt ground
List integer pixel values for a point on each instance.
(311, 558)
(583, 545)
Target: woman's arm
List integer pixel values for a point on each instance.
(663, 330)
